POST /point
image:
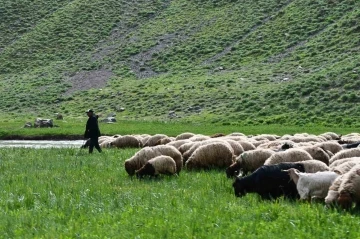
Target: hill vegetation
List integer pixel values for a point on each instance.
(235, 62)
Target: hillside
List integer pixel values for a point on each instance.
(221, 61)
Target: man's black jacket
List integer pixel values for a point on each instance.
(92, 128)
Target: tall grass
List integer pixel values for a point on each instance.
(67, 193)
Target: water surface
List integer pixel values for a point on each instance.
(41, 143)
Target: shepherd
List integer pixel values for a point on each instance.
(92, 131)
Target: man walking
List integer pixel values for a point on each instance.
(92, 131)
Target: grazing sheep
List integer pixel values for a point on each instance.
(236, 134)
(269, 181)
(164, 140)
(332, 146)
(313, 166)
(178, 143)
(153, 140)
(333, 193)
(106, 143)
(341, 161)
(290, 155)
(345, 167)
(159, 165)
(145, 154)
(276, 145)
(248, 161)
(126, 141)
(199, 137)
(317, 153)
(312, 186)
(185, 135)
(349, 190)
(346, 153)
(257, 143)
(213, 155)
(246, 145)
(269, 137)
(331, 135)
(237, 149)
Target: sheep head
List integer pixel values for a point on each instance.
(232, 170)
(293, 173)
(239, 188)
(147, 169)
(345, 200)
(130, 168)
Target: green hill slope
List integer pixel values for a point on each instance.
(232, 62)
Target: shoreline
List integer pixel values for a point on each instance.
(42, 137)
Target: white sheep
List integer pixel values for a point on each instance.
(312, 185)
(317, 153)
(341, 161)
(332, 146)
(214, 155)
(345, 167)
(126, 141)
(313, 166)
(159, 165)
(346, 153)
(178, 143)
(249, 161)
(154, 140)
(330, 135)
(333, 193)
(349, 190)
(290, 155)
(145, 154)
(185, 135)
(276, 145)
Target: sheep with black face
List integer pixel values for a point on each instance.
(159, 165)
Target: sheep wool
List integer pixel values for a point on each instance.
(185, 135)
(249, 161)
(154, 140)
(332, 146)
(145, 154)
(126, 141)
(313, 166)
(178, 143)
(159, 165)
(349, 190)
(312, 185)
(290, 155)
(214, 155)
(341, 161)
(333, 193)
(317, 153)
(345, 167)
(346, 153)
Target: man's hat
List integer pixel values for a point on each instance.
(89, 110)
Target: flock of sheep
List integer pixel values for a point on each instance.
(323, 167)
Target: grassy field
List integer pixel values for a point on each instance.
(66, 193)
(74, 128)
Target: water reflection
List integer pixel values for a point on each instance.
(41, 143)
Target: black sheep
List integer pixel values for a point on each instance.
(269, 181)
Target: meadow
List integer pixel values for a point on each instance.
(67, 193)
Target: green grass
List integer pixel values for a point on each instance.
(68, 128)
(66, 193)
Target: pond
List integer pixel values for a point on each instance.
(41, 143)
